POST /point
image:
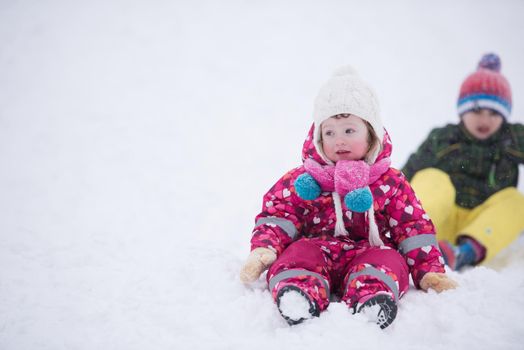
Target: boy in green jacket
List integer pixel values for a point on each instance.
(466, 174)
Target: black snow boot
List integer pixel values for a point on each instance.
(380, 308)
(295, 305)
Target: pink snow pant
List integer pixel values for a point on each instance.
(328, 268)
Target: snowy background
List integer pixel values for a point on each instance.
(138, 137)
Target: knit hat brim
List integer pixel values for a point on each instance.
(484, 101)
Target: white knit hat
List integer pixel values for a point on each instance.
(346, 93)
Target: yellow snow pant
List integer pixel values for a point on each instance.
(495, 224)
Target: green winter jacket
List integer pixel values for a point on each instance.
(477, 168)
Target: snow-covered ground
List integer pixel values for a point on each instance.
(138, 137)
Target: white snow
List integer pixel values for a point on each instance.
(138, 137)
(371, 313)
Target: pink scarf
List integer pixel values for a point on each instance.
(346, 175)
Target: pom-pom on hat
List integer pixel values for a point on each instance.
(486, 88)
(346, 93)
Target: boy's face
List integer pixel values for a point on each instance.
(344, 138)
(482, 123)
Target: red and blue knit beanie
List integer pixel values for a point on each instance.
(486, 88)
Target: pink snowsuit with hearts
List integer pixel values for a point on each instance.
(346, 267)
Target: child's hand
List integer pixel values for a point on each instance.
(257, 262)
(437, 281)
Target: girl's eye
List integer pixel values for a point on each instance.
(349, 131)
(329, 133)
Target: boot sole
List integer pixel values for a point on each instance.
(314, 310)
(388, 309)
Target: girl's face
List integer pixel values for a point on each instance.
(345, 138)
(482, 123)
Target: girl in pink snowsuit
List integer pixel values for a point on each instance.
(344, 225)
